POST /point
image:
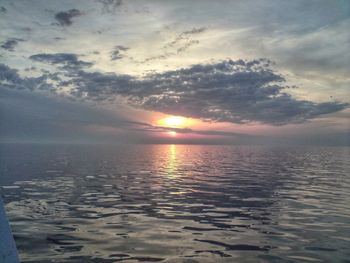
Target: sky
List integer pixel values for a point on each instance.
(206, 72)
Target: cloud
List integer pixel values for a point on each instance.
(110, 6)
(323, 51)
(227, 91)
(67, 60)
(184, 39)
(9, 78)
(65, 18)
(10, 43)
(9, 75)
(181, 43)
(152, 128)
(117, 52)
(31, 116)
(185, 36)
(194, 31)
(187, 46)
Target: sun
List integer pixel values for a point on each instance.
(174, 122)
(172, 133)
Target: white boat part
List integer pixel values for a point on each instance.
(8, 250)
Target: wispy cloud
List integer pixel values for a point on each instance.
(181, 43)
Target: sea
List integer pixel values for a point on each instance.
(177, 203)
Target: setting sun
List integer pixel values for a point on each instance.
(172, 133)
(174, 122)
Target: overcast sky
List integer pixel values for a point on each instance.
(108, 71)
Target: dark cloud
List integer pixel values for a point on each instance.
(3, 10)
(10, 43)
(9, 78)
(158, 57)
(65, 18)
(117, 52)
(194, 31)
(227, 91)
(31, 69)
(33, 116)
(66, 60)
(28, 116)
(187, 46)
(232, 91)
(9, 75)
(110, 6)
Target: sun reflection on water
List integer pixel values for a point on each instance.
(171, 161)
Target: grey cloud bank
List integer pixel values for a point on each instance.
(32, 117)
(227, 91)
(231, 91)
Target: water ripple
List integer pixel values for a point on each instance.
(172, 203)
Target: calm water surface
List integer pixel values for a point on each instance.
(177, 203)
